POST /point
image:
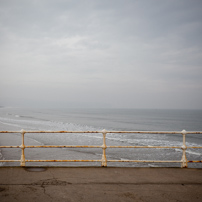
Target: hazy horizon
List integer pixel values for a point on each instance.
(94, 108)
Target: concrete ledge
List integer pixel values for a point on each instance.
(98, 184)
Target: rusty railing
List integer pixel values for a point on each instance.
(104, 160)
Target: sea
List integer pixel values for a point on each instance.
(92, 119)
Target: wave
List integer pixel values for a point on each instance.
(46, 125)
(126, 139)
(153, 165)
(188, 151)
(10, 124)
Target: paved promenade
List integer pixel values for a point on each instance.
(100, 184)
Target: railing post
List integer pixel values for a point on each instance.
(104, 158)
(184, 147)
(22, 146)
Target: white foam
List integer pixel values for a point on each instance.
(194, 153)
(122, 159)
(189, 152)
(10, 124)
(152, 165)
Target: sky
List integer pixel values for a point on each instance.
(101, 53)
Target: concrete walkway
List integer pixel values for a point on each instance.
(100, 184)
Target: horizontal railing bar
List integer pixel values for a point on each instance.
(144, 132)
(143, 147)
(100, 161)
(63, 131)
(51, 131)
(53, 146)
(9, 160)
(10, 131)
(194, 161)
(88, 146)
(9, 146)
(63, 146)
(144, 161)
(63, 160)
(157, 132)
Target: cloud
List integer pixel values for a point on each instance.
(120, 53)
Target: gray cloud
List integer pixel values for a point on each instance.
(138, 54)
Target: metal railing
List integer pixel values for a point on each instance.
(104, 160)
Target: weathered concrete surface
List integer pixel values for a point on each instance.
(100, 184)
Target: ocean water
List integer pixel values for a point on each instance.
(12, 119)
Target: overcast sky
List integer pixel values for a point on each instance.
(101, 53)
